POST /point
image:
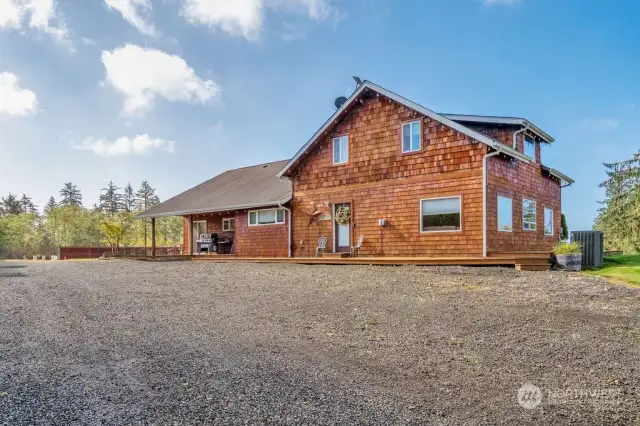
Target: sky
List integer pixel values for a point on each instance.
(178, 91)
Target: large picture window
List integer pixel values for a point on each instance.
(440, 214)
(505, 214)
(528, 215)
(548, 221)
(341, 150)
(411, 137)
(266, 217)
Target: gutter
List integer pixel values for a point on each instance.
(484, 201)
(290, 252)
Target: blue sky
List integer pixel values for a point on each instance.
(190, 88)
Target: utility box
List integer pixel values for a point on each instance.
(592, 247)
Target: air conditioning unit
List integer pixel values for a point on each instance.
(592, 247)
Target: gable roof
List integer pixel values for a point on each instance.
(510, 121)
(367, 85)
(247, 187)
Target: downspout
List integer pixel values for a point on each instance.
(290, 254)
(515, 136)
(484, 201)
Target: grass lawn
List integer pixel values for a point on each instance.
(624, 267)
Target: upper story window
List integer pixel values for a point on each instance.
(266, 217)
(341, 150)
(529, 215)
(529, 147)
(411, 137)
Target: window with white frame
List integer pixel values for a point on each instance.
(266, 217)
(411, 137)
(229, 224)
(440, 214)
(529, 147)
(341, 150)
(528, 215)
(505, 214)
(548, 221)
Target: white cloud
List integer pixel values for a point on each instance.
(504, 2)
(139, 145)
(37, 14)
(15, 101)
(88, 41)
(143, 74)
(600, 123)
(245, 18)
(131, 12)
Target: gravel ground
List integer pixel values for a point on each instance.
(125, 342)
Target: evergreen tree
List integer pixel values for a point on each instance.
(10, 205)
(26, 203)
(129, 199)
(71, 195)
(145, 199)
(51, 204)
(619, 217)
(564, 229)
(111, 201)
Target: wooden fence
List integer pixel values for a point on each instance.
(96, 252)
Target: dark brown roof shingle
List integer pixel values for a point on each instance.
(247, 187)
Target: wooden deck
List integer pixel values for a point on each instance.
(521, 261)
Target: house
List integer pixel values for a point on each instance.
(412, 181)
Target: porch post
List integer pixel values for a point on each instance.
(153, 237)
(190, 236)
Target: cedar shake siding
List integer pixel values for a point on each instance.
(249, 241)
(382, 182)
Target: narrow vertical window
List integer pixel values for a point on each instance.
(341, 150)
(411, 137)
(505, 214)
(529, 215)
(548, 221)
(529, 147)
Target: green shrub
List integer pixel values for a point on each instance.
(573, 247)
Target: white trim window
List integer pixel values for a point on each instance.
(505, 214)
(441, 214)
(548, 221)
(529, 147)
(341, 150)
(411, 136)
(266, 217)
(529, 215)
(228, 224)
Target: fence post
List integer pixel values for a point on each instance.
(153, 237)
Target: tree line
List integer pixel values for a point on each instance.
(27, 231)
(619, 217)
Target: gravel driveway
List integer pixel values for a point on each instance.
(126, 342)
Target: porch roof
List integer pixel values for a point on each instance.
(247, 187)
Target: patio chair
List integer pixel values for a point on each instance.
(322, 246)
(355, 250)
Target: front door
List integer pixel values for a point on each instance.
(342, 228)
(199, 228)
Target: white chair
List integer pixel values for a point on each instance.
(322, 246)
(355, 250)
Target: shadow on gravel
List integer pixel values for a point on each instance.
(7, 271)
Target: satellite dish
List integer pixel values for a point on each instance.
(340, 101)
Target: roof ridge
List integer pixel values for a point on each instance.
(255, 165)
